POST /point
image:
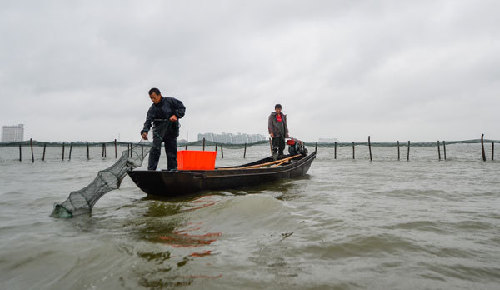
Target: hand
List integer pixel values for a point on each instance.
(272, 135)
(173, 118)
(144, 136)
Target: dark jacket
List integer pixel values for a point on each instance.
(163, 111)
(279, 129)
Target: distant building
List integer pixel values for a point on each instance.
(230, 138)
(327, 140)
(13, 133)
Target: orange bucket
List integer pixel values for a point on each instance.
(196, 160)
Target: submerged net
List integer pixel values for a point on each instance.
(81, 201)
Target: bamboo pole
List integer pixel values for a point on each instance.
(370, 148)
(408, 152)
(444, 150)
(70, 150)
(43, 155)
(32, 155)
(245, 152)
(280, 161)
(88, 155)
(399, 153)
(439, 151)
(335, 154)
(492, 150)
(483, 153)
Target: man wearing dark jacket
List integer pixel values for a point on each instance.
(163, 115)
(277, 126)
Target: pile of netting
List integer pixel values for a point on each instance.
(81, 201)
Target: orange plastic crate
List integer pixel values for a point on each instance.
(196, 160)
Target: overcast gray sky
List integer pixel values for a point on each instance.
(394, 70)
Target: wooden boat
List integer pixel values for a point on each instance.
(166, 183)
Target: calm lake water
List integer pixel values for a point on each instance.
(349, 224)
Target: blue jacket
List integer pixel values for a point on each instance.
(164, 110)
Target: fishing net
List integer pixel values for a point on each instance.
(81, 201)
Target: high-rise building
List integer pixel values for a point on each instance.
(13, 133)
(230, 138)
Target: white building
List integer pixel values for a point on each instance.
(327, 140)
(13, 133)
(230, 138)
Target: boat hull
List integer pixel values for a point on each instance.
(165, 183)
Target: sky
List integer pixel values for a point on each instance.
(345, 69)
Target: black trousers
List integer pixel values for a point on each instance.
(161, 133)
(278, 145)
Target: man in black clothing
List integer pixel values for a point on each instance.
(278, 129)
(163, 114)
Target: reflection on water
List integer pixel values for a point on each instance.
(166, 223)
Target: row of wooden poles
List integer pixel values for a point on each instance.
(438, 144)
(129, 148)
(103, 152)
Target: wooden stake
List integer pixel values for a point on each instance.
(70, 150)
(105, 150)
(439, 151)
(116, 150)
(221, 152)
(245, 152)
(483, 153)
(492, 150)
(444, 150)
(335, 150)
(32, 155)
(399, 153)
(43, 155)
(352, 150)
(408, 152)
(88, 155)
(316, 148)
(62, 157)
(370, 148)
(20, 154)
(203, 143)
(102, 150)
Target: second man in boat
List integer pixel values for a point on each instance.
(278, 129)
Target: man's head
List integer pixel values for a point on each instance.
(155, 95)
(278, 108)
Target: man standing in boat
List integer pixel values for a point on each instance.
(277, 126)
(163, 114)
